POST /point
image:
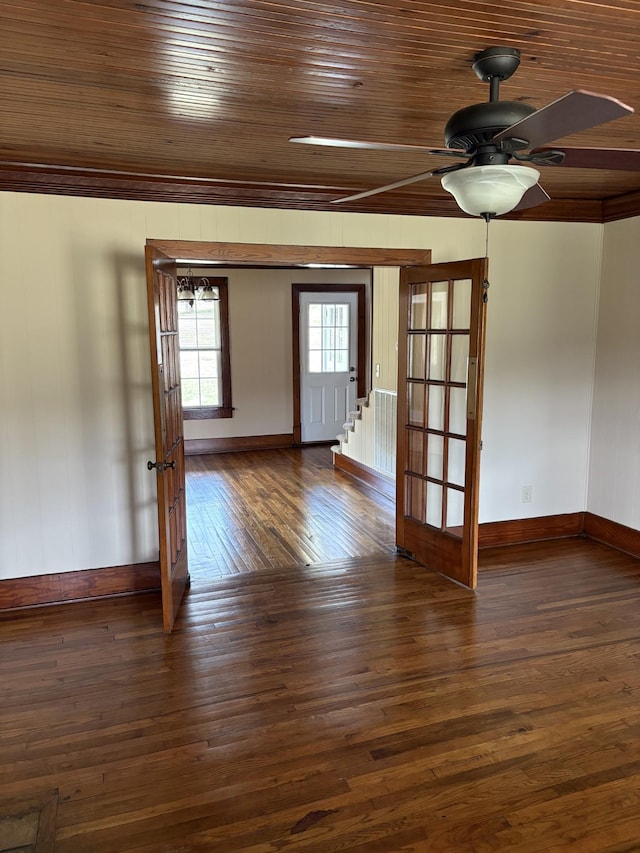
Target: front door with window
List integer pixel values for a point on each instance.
(328, 363)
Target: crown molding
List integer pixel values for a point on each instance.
(95, 183)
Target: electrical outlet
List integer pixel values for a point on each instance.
(377, 371)
(526, 494)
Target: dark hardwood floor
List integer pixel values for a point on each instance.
(363, 705)
(269, 508)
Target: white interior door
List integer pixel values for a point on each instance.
(328, 362)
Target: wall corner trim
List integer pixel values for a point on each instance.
(612, 533)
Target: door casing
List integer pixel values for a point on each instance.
(361, 385)
(267, 255)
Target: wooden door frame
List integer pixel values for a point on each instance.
(276, 255)
(361, 388)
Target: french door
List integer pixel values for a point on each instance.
(169, 441)
(440, 377)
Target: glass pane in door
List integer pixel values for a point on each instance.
(459, 358)
(435, 408)
(457, 450)
(328, 337)
(437, 367)
(435, 456)
(434, 505)
(415, 401)
(455, 511)
(415, 451)
(458, 411)
(461, 304)
(418, 307)
(438, 305)
(417, 349)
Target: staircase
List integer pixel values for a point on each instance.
(367, 446)
(350, 424)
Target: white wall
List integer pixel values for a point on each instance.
(260, 327)
(386, 288)
(614, 484)
(76, 426)
(540, 352)
(541, 327)
(76, 429)
(360, 444)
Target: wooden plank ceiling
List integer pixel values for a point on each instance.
(195, 101)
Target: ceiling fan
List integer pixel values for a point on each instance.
(490, 135)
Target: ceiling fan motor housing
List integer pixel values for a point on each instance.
(477, 124)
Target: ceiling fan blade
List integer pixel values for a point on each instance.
(571, 113)
(403, 183)
(626, 159)
(373, 146)
(534, 196)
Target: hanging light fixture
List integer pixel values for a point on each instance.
(209, 292)
(489, 190)
(186, 290)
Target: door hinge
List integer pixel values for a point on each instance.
(481, 445)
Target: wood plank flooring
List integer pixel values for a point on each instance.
(269, 508)
(363, 705)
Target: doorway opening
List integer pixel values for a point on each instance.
(331, 356)
(287, 509)
(162, 257)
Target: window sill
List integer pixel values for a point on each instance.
(207, 413)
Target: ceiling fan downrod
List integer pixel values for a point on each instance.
(473, 128)
(494, 65)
